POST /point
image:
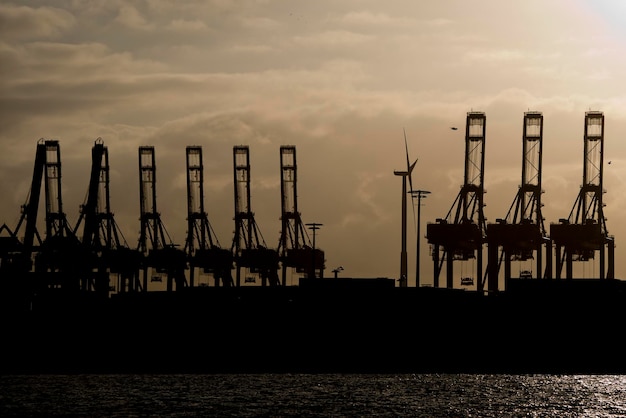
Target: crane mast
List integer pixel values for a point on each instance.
(30, 209)
(294, 247)
(460, 236)
(522, 234)
(583, 233)
(202, 247)
(101, 234)
(61, 262)
(249, 248)
(160, 254)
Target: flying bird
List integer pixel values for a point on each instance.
(454, 128)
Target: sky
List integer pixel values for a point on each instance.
(343, 82)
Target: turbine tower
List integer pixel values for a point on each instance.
(405, 174)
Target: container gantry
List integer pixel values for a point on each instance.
(583, 233)
(16, 270)
(32, 238)
(61, 262)
(202, 246)
(249, 247)
(460, 237)
(522, 236)
(295, 246)
(101, 235)
(160, 255)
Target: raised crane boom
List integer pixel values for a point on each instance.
(295, 246)
(584, 232)
(202, 246)
(522, 234)
(159, 252)
(249, 247)
(461, 237)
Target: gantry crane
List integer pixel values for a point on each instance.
(461, 238)
(16, 270)
(584, 232)
(294, 247)
(522, 236)
(202, 246)
(249, 248)
(61, 262)
(31, 239)
(159, 253)
(101, 235)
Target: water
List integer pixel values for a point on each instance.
(311, 395)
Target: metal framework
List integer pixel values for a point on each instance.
(249, 248)
(584, 232)
(202, 246)
(295, 246)
(461, 238)
(61, 254)
(155, 244)
(101, 234)
(522, 234)
(29, 211)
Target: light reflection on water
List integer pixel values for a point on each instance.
(255, 395)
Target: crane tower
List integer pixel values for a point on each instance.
(584, 232)
(155, 244)
(61, 262)
(101, 234)
(461, 234)
(202, 246)
(522, 234)
(249, 248)
(294, 248)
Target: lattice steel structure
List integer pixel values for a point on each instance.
(295, 246)
(159, 253)
(61, 261)
(101, 235)
(249, 247)
(584, 233)
(522, 236)
(461, 234)
(202, 246)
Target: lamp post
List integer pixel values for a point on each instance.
(419, 194)
(314, 227)
(337, 270)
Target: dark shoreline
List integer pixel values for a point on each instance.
(536, 327)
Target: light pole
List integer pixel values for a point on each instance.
(419, 194)
(314, 227)
(337, 270)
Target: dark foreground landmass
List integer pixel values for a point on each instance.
(340, 327)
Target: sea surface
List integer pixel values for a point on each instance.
(313, 395)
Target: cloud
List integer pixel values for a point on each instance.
(23, 22)
(182, 25)
(332, 38)
(130, 17)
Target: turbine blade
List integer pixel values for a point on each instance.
(409, 167)
(406, 146)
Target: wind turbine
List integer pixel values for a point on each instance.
(404, 175)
